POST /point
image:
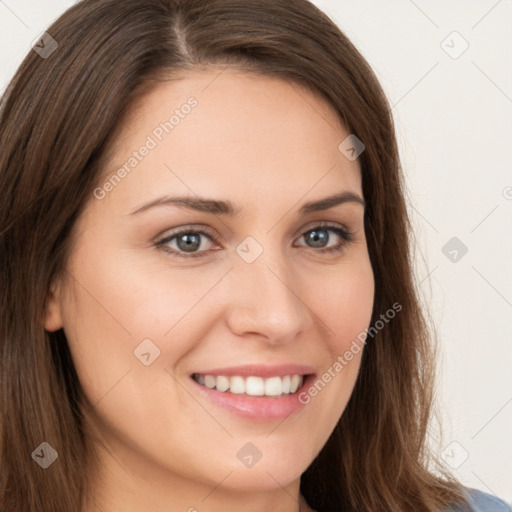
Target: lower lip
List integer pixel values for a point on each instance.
(256, 407)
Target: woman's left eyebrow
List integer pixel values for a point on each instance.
(222, 207)
(329, 202)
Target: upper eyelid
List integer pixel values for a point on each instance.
(207, 229)
(323, 224)
(187, 229)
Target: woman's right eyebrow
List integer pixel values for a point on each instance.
(224, 207)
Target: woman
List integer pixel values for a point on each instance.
(207, 293)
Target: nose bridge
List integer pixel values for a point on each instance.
(266, 301)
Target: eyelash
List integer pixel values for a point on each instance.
(346, 237)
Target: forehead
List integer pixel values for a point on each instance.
(230, 133)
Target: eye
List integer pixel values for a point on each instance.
(187, 242)
(318, 237)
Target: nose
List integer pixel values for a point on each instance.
(267, 299)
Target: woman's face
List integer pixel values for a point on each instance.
(260, 300)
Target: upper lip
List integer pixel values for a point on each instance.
(259, 370)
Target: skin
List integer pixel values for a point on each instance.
(267, 146)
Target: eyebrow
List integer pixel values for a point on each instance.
(220, 207)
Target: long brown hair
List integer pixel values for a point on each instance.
(58, 117)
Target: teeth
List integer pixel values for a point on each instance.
(286, 384)
(274, 386)
(237, 385)
(222, 383)
(253, 386)
(295, 383)
(209, 381)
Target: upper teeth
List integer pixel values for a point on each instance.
(255, 386)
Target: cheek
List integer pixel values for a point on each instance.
(344, 307)
(344, 302)
(115, 304)
(114, 315)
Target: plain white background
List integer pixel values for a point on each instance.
(453, 111)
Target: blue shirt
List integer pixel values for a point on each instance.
(481, 502)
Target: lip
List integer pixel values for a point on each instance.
(256, 407)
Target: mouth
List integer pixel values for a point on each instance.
(252, 385)
(258, 392)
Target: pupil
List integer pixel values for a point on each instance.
(318, 236)
(190, 242)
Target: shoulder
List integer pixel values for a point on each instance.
(480, 501)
